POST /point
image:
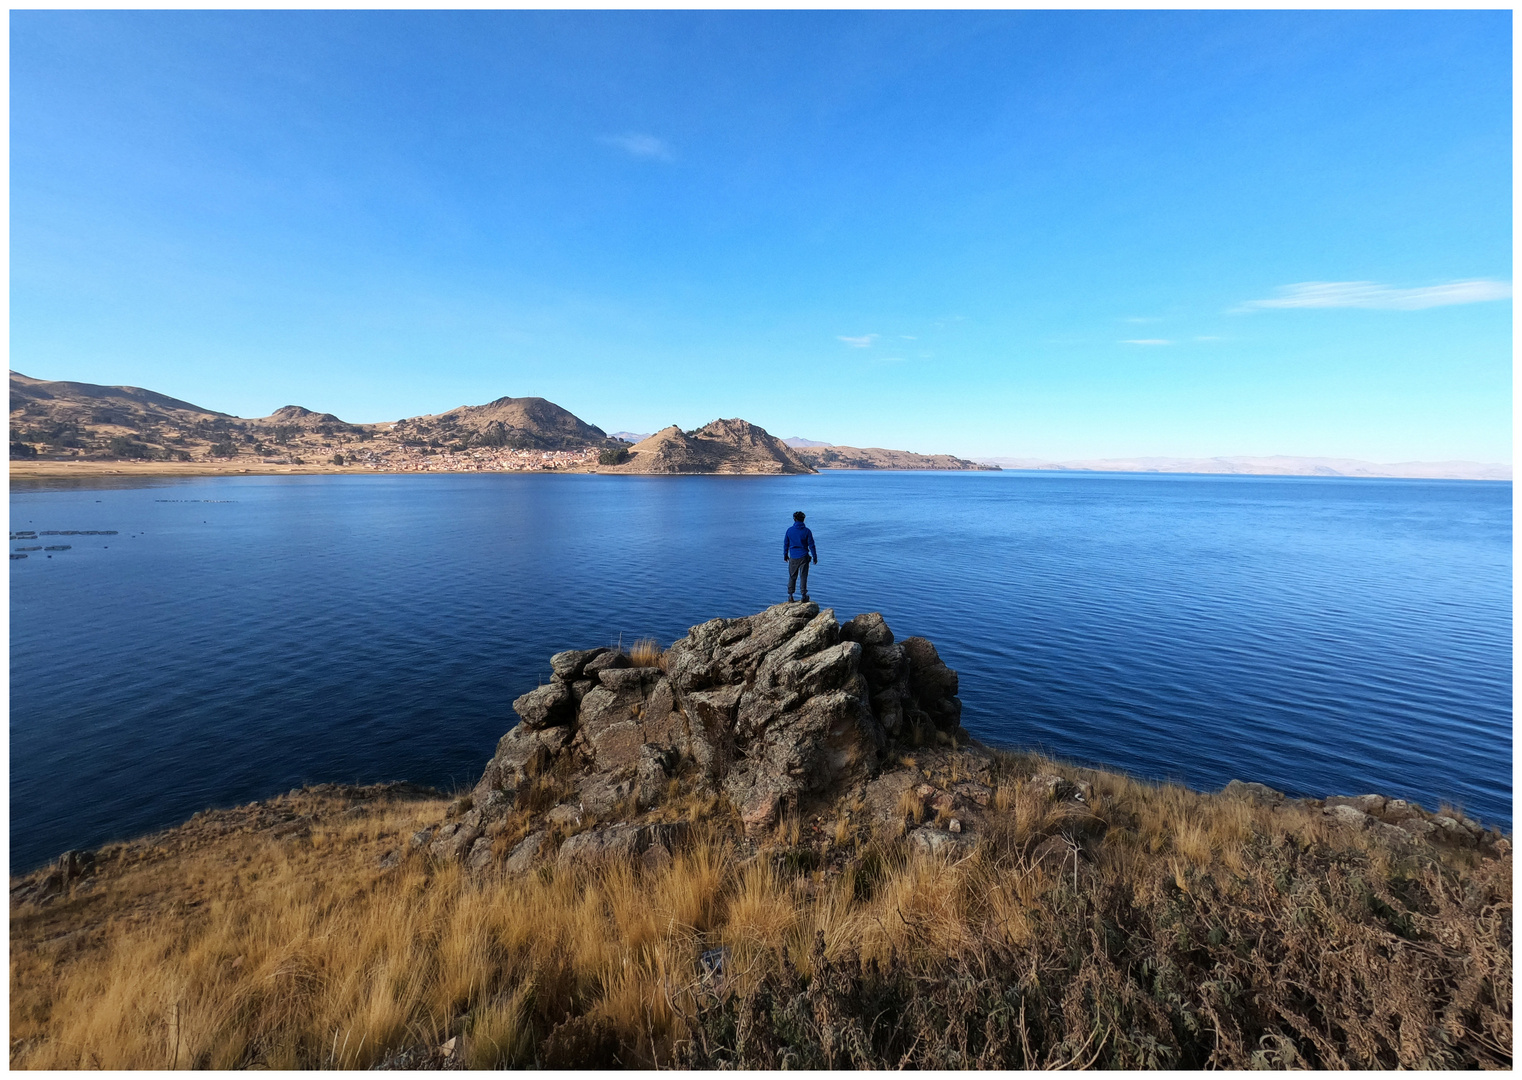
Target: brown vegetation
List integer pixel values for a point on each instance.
(1149, 926)
(646, 652)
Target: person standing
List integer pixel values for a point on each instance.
(797, 550)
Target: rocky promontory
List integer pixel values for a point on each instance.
(771, 711)
(787, 713)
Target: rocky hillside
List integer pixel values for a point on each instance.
(872, 457)
(84, 421)
(723, 446)
(529, 423)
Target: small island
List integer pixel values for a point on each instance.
(772, 845)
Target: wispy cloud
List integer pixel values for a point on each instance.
(1143, 319)
(1369, 294)
(1147, 341)
(858, 342)
(645, 146)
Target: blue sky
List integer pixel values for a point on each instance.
(1070, 234)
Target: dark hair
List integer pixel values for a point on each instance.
(797, 515)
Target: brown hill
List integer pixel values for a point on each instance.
(723, 446)
(528, 423)
(874, 457)
(83, 402)
(296, 416)
(85, 421)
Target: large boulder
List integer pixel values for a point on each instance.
(546, 706)
(933, 684)
(626, 843)
(569, 665)
(521, 753)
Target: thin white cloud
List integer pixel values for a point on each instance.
(1369, 294)
(1206, 337)
(857, 342)
(645, 146)
(1143, 319)
(908, 337)
(1147, 341)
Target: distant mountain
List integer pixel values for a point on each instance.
(528, 423)
(825, 456)
(798, 444)
(1277, 465)
(723, 446)
(629, 436)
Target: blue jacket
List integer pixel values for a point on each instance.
(798, 543)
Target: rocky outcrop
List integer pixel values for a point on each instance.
(723, 446)
(767, 710)
(788, 716)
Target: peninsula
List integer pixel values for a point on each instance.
(772, 845)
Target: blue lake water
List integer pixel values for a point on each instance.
(240, 636)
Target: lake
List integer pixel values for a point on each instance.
(241, 636)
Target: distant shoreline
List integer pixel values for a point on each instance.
(53, 470)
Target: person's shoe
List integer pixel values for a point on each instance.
(805, 598)
(789, 598)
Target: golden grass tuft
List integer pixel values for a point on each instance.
(646, 652)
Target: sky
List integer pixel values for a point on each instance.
(1031, 234)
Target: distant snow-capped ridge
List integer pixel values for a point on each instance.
(630, 436)
(795, 442)
(1276, 465)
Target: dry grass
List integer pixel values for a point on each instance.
(646, 652)
(1155, 928)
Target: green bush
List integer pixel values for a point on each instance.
(338, 459)
(612, 455)
(22, 450)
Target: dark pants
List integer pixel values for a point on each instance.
(795, 567)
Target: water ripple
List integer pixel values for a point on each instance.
(1318, 635)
